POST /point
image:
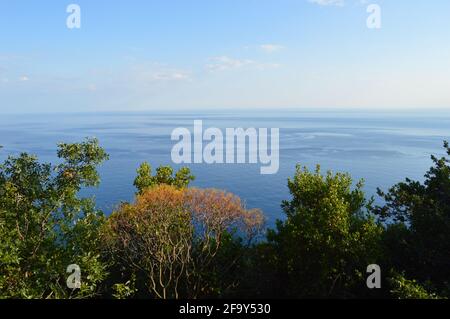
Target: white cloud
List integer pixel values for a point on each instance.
(338, 3)
(24, 78)
(265, 66)
(223, 63)
(270, 48)
(155, 73)
(8, 57)
(169, 76)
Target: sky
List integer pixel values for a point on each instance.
(223, 54)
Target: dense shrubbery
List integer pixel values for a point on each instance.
(174, 241)
(45, 226)
(417, 238)
(328, 239)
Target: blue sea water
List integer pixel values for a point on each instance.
(382, 148)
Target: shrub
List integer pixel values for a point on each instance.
(323, 247)
(171, 239)
(164, 175)
(45, 226)
(417, 241)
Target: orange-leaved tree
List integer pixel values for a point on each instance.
(173, 241)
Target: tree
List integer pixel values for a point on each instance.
(45, 226)
(224, 232)
(328, 239)
(153, 238)
(164, 175)
(403, 288)
(417, 214)
(171, 239)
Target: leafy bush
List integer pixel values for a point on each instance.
(164, 175)
(403, 288)
(45, 226)
(417, 240)
(323, 247)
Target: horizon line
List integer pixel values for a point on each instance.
(243, 110)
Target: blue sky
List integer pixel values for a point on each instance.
(215, 54)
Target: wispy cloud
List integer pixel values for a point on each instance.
(170, 76)
(338, 3)
(8, 57)
(155, 72)
(223, 63)
(24, 78)
(270, 48)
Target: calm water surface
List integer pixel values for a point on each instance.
(381, 148)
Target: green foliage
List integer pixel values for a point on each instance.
(180, 242)
(45, 226)
(323, 247)
(126, 290)
(417, 239)
(403, 288)
(164, 175)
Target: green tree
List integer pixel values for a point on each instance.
(402, 288)
(324, 245)
(164, 175)
(417, 214)
(45, 226)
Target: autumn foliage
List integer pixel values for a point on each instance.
(170, 237)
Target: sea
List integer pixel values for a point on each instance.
(383, 148)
